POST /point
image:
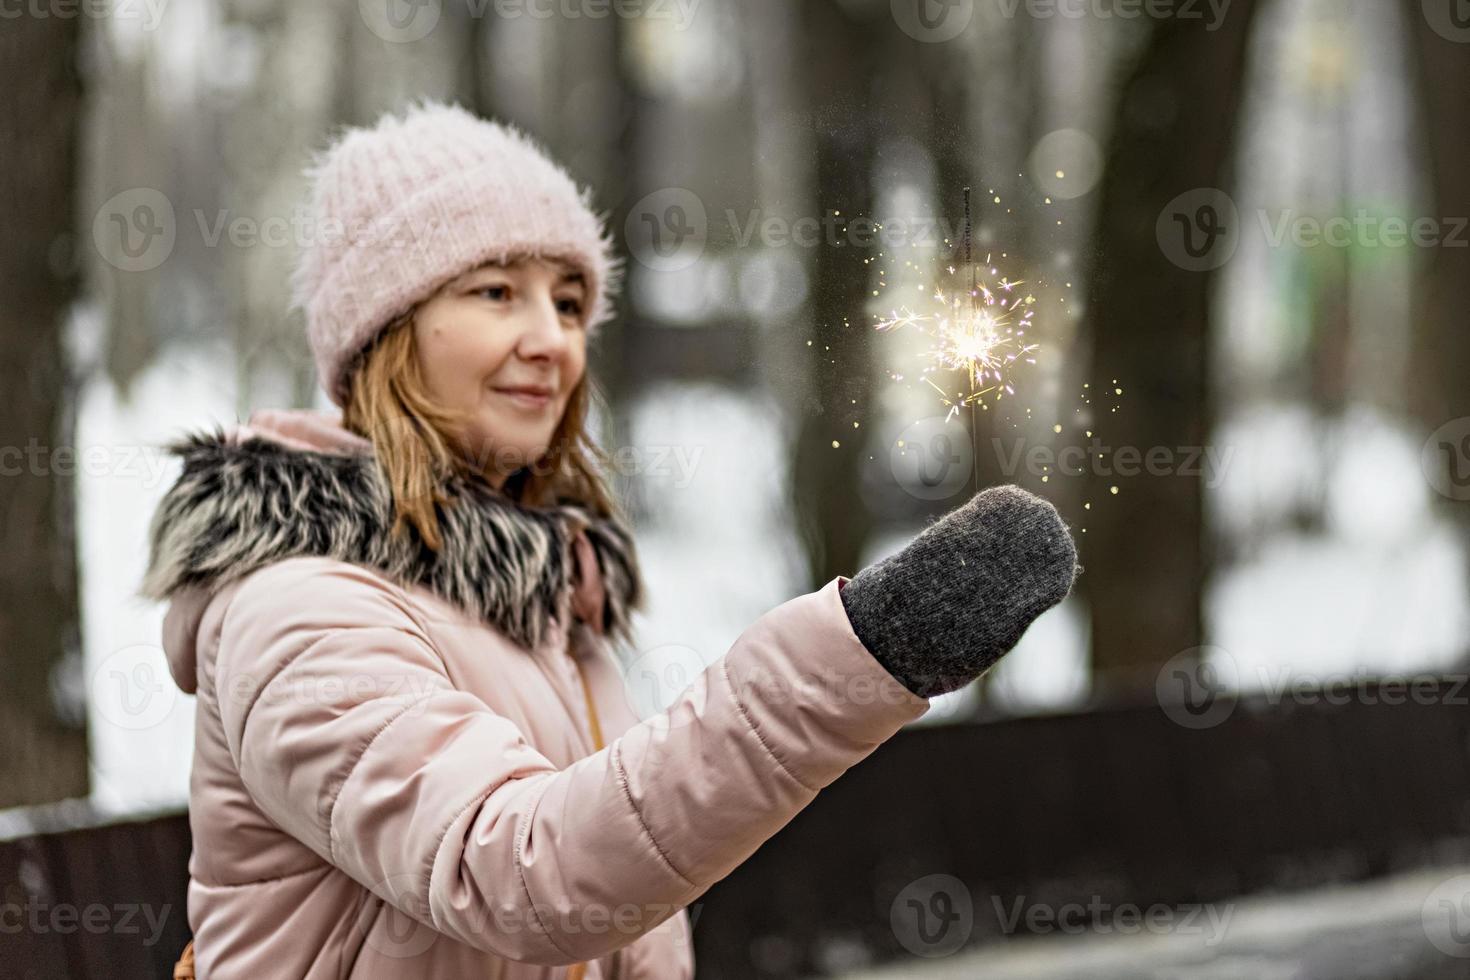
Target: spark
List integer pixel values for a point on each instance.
(978, 332)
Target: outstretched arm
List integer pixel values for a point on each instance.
(350, 736)
(348, 733)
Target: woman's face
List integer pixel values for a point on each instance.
(505, 344)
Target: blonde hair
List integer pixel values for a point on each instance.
(415, 443)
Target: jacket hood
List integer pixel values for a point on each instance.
(291, 483)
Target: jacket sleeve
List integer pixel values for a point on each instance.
(349, 735)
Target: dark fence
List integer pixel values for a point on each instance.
(1123, 806)
(102, 901)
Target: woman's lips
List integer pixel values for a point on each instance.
(525, 399)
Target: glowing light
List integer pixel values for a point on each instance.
(979, 332)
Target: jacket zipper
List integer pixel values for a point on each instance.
(594, 722)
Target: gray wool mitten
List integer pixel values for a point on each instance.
(949, 605)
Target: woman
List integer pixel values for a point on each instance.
(414, 751)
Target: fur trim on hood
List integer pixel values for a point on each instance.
(246, 499)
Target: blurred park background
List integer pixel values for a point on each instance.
(1242, 229)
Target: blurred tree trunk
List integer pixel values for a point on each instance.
(603, 148)
(44, 734)
(1173, 132)
(119, 138)
(783, 162)
(307, 58)
(1441, 356)
(841, 41)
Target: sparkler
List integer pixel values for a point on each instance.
(980, 331)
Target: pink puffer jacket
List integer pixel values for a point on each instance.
(396, 770)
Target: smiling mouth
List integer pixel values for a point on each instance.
(525, 398)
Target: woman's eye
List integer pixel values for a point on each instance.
(570, 306)
(493, 292)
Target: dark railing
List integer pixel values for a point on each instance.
(1121, 804)
(95, 901)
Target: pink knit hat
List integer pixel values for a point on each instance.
(403, 207)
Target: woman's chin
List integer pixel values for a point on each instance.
(509, 458)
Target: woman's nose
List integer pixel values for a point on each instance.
(544, 335)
